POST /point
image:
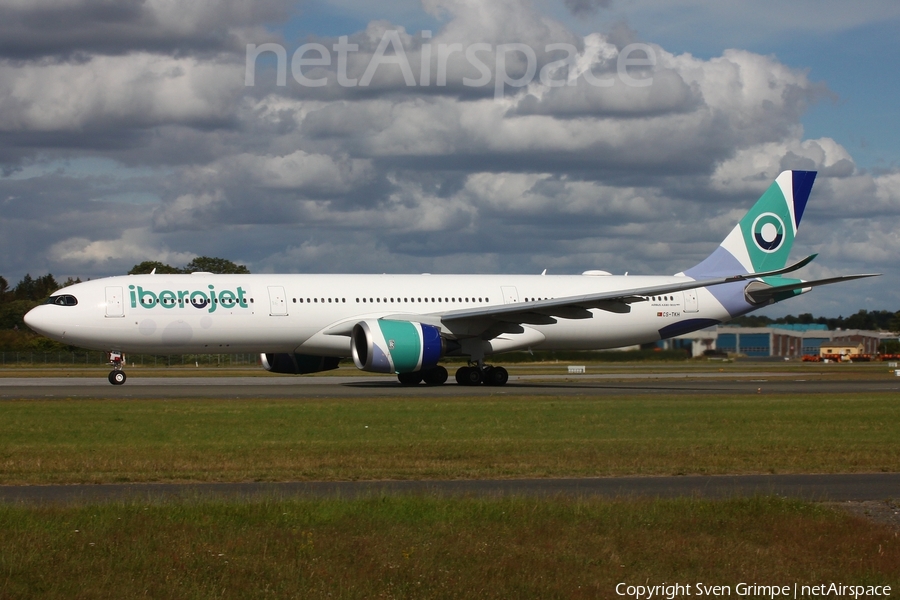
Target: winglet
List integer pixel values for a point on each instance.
(788, 269)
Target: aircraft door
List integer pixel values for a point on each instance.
(510, 294)
(691, 304)
(114, 305)
(277, 301)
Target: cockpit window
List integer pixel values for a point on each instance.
(63, 300)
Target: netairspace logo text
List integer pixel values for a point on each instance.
(670, 591)
(434, 58)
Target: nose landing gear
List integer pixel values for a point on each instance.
(117, 375)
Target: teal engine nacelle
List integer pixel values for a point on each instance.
(386, 346)
(297, 364)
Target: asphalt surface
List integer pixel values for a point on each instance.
(830, 488)
(694, 383)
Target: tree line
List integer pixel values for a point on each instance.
(875, 320)
(204, 264)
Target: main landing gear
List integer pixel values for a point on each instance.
(482, 374)
(470, 375)
(117, 375)
(434, 376)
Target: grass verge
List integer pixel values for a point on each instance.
(424, 547)
(77, 441)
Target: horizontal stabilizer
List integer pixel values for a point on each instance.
(762, 293)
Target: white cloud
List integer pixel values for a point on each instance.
(117, 255)
(409, 179)
(313, 173)
(68, 29)
(136, 90)
(188, 211)
(752, 169)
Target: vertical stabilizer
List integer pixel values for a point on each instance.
(762, 240)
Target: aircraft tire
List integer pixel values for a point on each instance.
(496, 376)
(414, 378)
(468, 376)
(435, 376)
(117, 377)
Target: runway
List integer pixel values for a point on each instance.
(830, 487)
(606, 384)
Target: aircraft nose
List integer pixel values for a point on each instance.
(42, 320)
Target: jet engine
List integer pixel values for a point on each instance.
(387, 346)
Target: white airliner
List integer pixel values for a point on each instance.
(405, 324)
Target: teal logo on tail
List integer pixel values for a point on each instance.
(768, 232)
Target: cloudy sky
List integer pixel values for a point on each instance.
(449, 135)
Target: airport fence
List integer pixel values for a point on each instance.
(90, 358)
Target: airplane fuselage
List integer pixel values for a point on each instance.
(205, 313)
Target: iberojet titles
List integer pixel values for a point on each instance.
(208, 299)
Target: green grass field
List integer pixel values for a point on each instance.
(422, 547)
(429, 547)
(76, 441)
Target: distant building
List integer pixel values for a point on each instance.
(830, 350)
(791, 341)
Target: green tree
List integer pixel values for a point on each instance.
(889, 347)
(12, 313)
(147, 266)
(752, 321)
(215, 265)
(861, 320)
(35, 289)
(24, 290)
(44, 286)
(894, 322)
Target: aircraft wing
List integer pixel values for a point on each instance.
(496, 319)
(543, 312)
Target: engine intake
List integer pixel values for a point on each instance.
(386, 346)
